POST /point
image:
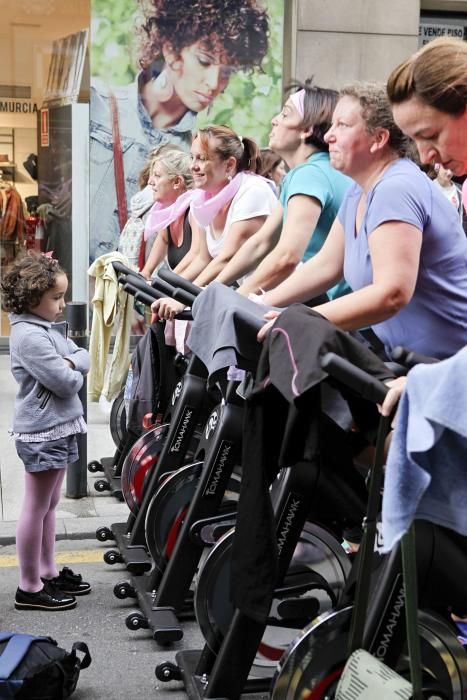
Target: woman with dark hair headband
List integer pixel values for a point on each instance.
(188, 51)
(311, 194)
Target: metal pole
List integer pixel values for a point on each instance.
(76, 477)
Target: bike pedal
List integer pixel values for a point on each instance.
(294, 608)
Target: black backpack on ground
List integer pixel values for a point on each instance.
(36, 668)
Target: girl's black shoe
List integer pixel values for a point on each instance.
(69, 582)
(49, 598)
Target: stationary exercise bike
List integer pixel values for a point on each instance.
(238, 646)
(110, 465)
(186, 497)
(190, 503)
(160, 452)
(166, 370)
(315, 660)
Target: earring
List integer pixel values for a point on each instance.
(229, 177)
(163, 88)
(175, 65)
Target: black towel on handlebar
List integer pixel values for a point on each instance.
(280, 423)
(297, 341)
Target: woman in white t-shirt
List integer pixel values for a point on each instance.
(231, 204)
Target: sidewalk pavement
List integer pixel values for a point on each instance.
(76, 518)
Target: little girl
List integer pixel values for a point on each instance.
(49, 370)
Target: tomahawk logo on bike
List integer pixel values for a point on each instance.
(211, 424)
(176, 393)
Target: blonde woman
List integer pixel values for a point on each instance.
(177, 232)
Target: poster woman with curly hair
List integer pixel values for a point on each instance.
(187, 52)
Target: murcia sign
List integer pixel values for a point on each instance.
(14, 106)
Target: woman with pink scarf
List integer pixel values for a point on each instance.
(170, 220)
(230, 202)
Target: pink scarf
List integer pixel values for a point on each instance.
(205, 206)
(161, 216)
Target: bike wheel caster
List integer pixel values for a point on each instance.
(168, 671)
(123, 590)
(95, 466)
(136, 621)
(101, 485)
(113, 557)
(103, 534)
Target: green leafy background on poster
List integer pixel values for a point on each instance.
(249, 102)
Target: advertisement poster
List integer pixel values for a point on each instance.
(159, 70)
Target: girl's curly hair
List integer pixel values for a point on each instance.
(239, 28)
(26, 280)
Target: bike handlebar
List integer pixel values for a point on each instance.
(159, 285)
(134, 286)
(178, 282)
(140, 284)
(146, 299)
(167, 290)
(355, 378)
(409, 358)
(168, 284)
(125, 270)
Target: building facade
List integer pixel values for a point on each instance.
(338, 41)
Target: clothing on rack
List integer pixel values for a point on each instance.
(12, 221)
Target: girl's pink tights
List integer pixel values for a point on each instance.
(35, 533)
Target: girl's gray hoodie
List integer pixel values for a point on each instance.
(48, 387)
